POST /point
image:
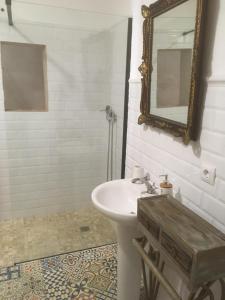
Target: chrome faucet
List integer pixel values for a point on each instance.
(151, 188)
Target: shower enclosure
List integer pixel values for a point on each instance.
(51, 160)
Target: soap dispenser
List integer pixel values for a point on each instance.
(165, 186)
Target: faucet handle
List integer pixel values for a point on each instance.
(141, 180)
(147, 177)
(137, 180)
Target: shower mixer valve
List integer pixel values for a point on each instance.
(110, 114)
(111, 118)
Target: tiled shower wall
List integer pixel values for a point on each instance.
(161, 153)
(45, 160)
(51, 161)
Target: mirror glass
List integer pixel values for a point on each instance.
(173, 43)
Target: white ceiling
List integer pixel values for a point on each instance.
(96, 15)
(117, 7)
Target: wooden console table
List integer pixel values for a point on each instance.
(175, 235)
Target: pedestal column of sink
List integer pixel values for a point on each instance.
(129, 263)
(117, 200)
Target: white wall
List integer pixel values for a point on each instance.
(161, 153)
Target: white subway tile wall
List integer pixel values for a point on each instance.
(51, 161)
(161, 153)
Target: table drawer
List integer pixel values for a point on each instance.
(181, 257)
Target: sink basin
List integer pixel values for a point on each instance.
(117, 199)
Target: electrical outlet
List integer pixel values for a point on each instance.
(208, 173)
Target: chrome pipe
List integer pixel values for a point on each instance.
(108, 150)
(112, 145)
(111, 118)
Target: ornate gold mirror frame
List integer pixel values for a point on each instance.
(190, 131)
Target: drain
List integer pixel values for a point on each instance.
(84, 228)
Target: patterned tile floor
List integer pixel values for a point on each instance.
(83, 275)
(36, 237)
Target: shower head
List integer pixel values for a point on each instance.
(188, 32)
(8, 4)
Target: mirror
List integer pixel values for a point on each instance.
(171, 68)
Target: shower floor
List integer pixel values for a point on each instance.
(31, 238)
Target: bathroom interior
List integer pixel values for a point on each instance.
(112, 150)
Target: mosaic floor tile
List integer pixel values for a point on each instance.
(9, 273)
(82, 275)
(36, 237)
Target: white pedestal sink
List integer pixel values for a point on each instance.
(117, 200)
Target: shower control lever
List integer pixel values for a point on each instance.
(106, 109)
(110, 114)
